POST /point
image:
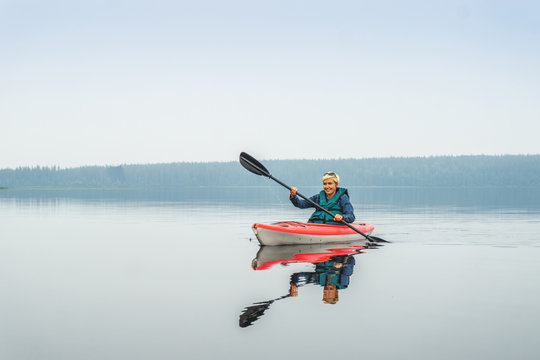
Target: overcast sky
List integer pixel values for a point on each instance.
(122, 82)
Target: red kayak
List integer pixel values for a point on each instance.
(294, 233)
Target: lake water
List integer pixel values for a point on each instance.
(117, 277)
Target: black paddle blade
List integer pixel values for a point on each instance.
(251, 164)
(255, 311)
(252, 313)
(378, 239)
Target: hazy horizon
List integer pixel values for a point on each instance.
(260, 159)
(110, 83)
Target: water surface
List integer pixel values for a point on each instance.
(109, 278)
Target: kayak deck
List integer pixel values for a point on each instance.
(292, 232)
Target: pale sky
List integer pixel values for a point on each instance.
(123, 82)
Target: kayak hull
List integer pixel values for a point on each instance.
(297, 233)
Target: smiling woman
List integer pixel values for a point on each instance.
(333, 198)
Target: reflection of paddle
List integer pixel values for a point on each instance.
(255, 311)
(251, 164)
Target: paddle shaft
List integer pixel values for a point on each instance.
(314, 204)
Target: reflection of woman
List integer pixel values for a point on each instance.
(333, 198)
(332, 275)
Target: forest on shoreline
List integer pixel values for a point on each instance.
(434, 171)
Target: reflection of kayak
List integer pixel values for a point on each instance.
(269, 256)
(292, 232)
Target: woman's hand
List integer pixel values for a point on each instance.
(338, 217)
(293, 191)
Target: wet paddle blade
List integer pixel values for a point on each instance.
(255, 311)
(251, 164)
(378, 239)
(252, 313)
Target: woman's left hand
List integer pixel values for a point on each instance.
(338, 217)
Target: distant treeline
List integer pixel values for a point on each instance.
(446, 171)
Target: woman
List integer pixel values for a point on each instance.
(332, 198)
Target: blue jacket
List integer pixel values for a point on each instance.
(326, 273)
(347, 209)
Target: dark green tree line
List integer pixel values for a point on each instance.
(465, 171)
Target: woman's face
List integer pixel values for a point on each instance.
(329, 187)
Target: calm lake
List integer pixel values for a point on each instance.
(91, 274)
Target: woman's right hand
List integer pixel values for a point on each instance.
(293, 191)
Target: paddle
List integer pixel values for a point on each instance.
(254, 166)
(255, 311)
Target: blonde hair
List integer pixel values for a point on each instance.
(331, 175)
